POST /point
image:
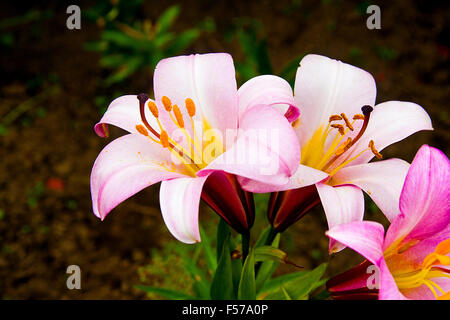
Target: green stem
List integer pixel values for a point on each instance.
(245, 245)
(272, 234)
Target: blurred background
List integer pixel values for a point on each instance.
(56, 83)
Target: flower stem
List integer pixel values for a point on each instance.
(272, 234)
(245, 245)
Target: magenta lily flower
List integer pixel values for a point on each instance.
(181, 138)
(414, 257)
(339, 132)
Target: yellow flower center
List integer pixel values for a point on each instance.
(331, 157)
(431, 268)
(193, 155)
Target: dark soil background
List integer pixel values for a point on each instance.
(46, 220)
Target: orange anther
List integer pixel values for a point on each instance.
(153, 108)
(347, 122)
(358, 117)
(344, 147)
(164, 138)
(375, 151)
(340, 127)
(334, 117)
(190, 107)
(140, 128)
(167, 103)
(178, 115)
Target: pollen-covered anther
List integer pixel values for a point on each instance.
(334, 117)
(153, 109)
(178, 116)
(346, 145)
(190, 107)
(358, 116)
(164, 138)
(140, 128)
(374, 150)
(347, 122)
(167, 103)
(340, 127)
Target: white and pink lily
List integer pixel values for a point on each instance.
(196, 101)
(413, 258)
(339, 132)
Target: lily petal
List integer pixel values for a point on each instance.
(266, 148)
(124, 167)
(388, 287)
(342, 204)
(424, 201)
(390, 122)
(364, 237)
(324, 86)
(179, 201)
(382, 180)
(303, 177)
(123, 112)
(268, 90)
(208, 79)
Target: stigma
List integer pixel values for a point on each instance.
(331, 157)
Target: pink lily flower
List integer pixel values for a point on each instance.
(413, 258)
(196, 101)
(339, 132)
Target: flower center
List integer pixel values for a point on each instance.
(331, 157)
(190, 155)
(431, 268)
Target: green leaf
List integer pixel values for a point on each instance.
(208, 250)
(167, 18)
(166, 293)
(222, 283)
(247, 285)
(267, 268)
(268, 253)
(223, 231)
(299, 287)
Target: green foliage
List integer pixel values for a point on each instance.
(297, 285)
(247, 284)
(250, 35)
(127, 48)
(222, 284)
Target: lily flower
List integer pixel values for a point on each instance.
(181, 138)
(340, 129)
(413, 259)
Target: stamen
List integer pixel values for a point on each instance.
(347, 144)
(358, 117)
(347, 122)
(164, 138)
(340, 127)
(375, 151)
(167, 103)
(153, 109)
(190, 107)
(140, 128)
(334, 117)
(178, 116)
